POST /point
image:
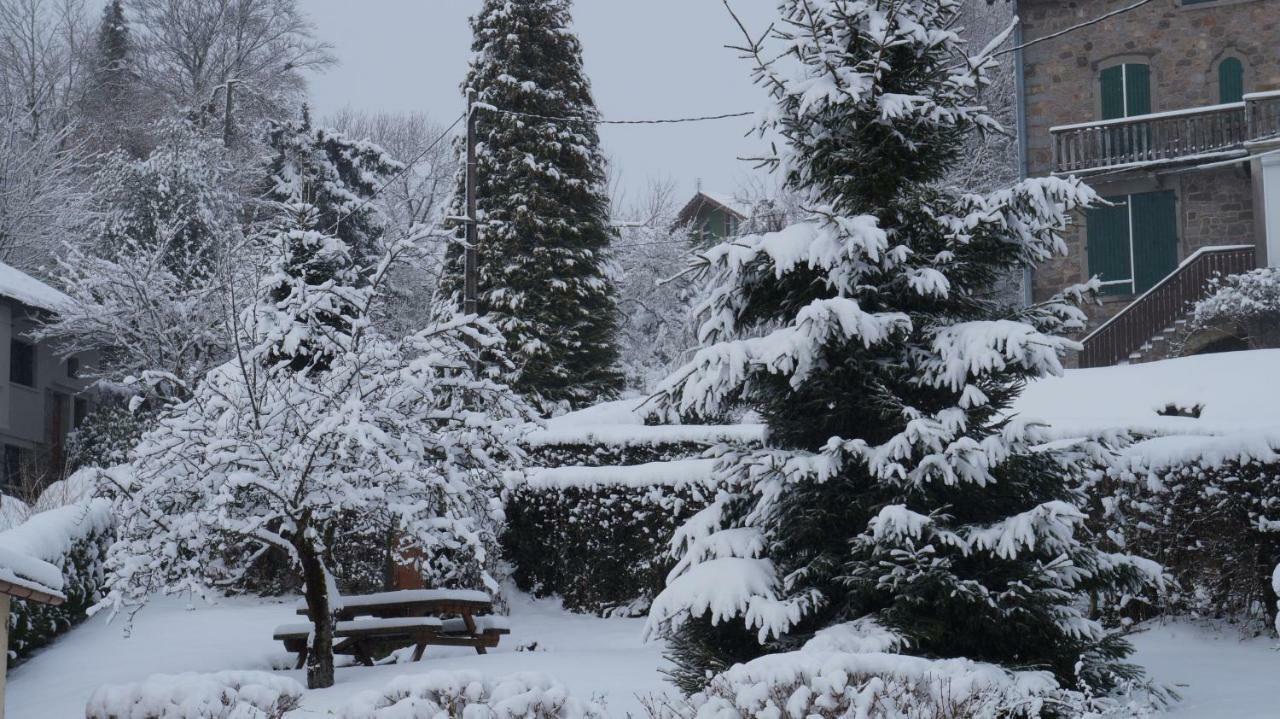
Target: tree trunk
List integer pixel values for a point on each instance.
(320, 609)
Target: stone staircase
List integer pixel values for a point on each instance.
(1166, 344)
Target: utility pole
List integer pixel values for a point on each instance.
(226, 116)
(470, 281)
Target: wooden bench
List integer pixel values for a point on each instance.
(410, 617)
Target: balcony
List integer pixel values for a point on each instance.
(1195, 134)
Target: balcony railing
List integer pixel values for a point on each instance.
(1203, 132)
(1159, 307)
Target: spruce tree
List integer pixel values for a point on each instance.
(112, 103)
(897, 497)
(544, 232)
(333, 174)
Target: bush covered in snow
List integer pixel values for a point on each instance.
(1246, 305)
(1210, 513)
(598, 536)
(224, 695)
(525, 695)
(74, 538)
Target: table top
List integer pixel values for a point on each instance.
(401, 602)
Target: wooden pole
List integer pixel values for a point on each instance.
(4, 647)
(470, 287)
(226, 125)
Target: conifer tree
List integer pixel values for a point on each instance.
(335, 175)
(112, 103)
(544, 233)
(897, 498)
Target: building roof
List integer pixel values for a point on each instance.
(713, 200)
(22, 287)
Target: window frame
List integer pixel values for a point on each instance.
(29, 351)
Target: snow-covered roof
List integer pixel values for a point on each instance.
(18, 285)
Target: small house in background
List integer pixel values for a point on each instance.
(713, 216)
(41, 401)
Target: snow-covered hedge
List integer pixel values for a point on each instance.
(525, 695)
(1208, 509)
(75, 539)
(599, 537)
(1247, 305)
(224, 695)
(620, 444)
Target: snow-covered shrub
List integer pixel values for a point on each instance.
(599, 537)
(107, 434)
(1210, 513)
(872, 686)
(74, 538)
(524, 695)
(1245, 305)
(222, 695)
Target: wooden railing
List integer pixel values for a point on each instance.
(1168, 136)
(1159, 307)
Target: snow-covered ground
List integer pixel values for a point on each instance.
(1220, 675)
(591, 656)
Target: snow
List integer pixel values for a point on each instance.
(1236, 390)
(405, 595)
(589, 655)
(31, 551)
(18, 285)
(471, 694)
(194, 696)
(621, 411)
(362, 625)
(1219, 673)
(621, 435)
(673, 473)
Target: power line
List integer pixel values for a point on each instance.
(408, 166)
(602, 121)
(1073, 28)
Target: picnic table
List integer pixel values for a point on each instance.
(368, 624)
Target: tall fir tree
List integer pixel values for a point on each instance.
(113, 103)
(544, 233)
(897, 497)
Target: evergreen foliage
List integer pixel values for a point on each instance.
(897, 495)
(112, 102)
(544, 232)
(335, 175)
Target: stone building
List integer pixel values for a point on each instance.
(1171, 111)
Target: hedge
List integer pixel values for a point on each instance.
(74, 538)
(599, 536)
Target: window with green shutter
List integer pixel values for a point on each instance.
(1133, 243)
(1230, 80)
(1126, 91)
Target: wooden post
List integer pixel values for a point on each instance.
(226, 128)
(4, 647)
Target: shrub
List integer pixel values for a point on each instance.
(74, 538)
(526, 695)
(1209, 513)
(1245, 305)
(600, 536)
(224, 695)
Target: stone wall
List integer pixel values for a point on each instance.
(1182, 46)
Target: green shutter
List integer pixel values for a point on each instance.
(1113, 92)
(1107, 229)
(1137, 99)
(1230, 80)
(1155, 237)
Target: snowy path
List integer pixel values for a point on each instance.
(1225, 677)
(591, 656)
(1218, 674)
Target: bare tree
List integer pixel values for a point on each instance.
(41, 199)
(43, 47)
(190, 49)
(991, 158)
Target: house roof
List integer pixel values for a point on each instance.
(18, 285)
(714, 200)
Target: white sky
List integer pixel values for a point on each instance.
(645, 59)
